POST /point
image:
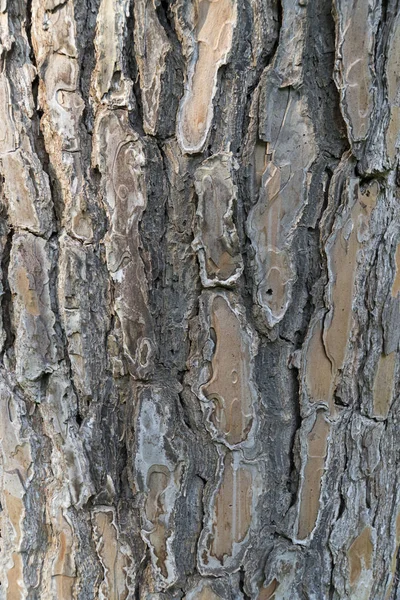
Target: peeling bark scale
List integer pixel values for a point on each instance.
(200, 299)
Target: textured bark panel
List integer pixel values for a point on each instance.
(200, 299)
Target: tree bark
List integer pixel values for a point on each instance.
(200, 299)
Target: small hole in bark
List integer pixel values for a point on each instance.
(342, 506)
(338, 401)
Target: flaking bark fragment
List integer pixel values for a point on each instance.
(356, 29)
(289, 57)
(55, 45)
(110, 83)
(210, 28)
(113, 553)
(230, 513)
(125, 197)
(290, 150)
(226, 388)
(216, 240)
(393, 91)
(16, 474)
(152, 48)
(160, 473)
(37, 346)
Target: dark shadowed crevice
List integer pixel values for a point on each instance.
(242, 575)
(86, 12)
(135, 116)
(28, 29)
(6, 300)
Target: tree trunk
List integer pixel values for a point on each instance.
(200, 299)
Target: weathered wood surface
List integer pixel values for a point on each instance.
(200, 299)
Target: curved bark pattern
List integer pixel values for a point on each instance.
(231, 512)
(356, 28)
(289, 153)
(114, 557)
(125, 198)
(212, 29)
(216, 239)
(36, 341)
(152, 50)
(228, 392)
(393, 91)
(199, 299)
(55, 45)
(16, 476)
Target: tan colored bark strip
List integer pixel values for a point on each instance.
(56, 54)
(360, 557)
(114, 585)
(232, 510)
(355, 41)
(268, 593)
(213, 30)
(318, 369)
(230, 384)
(393, 88)
(15, 476)
(317, 442)
(396, 282)
(342, 263)
(384, 383)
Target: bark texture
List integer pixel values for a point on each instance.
(200, 299)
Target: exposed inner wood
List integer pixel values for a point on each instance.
(360, 555)
(205, 593)
(384, 383)
(229, 388)
(396, 281)
(232, 511)
(393, 84)
(267, 593)
(113, 561)
(215, 22)
(319, 369)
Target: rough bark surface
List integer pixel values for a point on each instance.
(200, 299)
